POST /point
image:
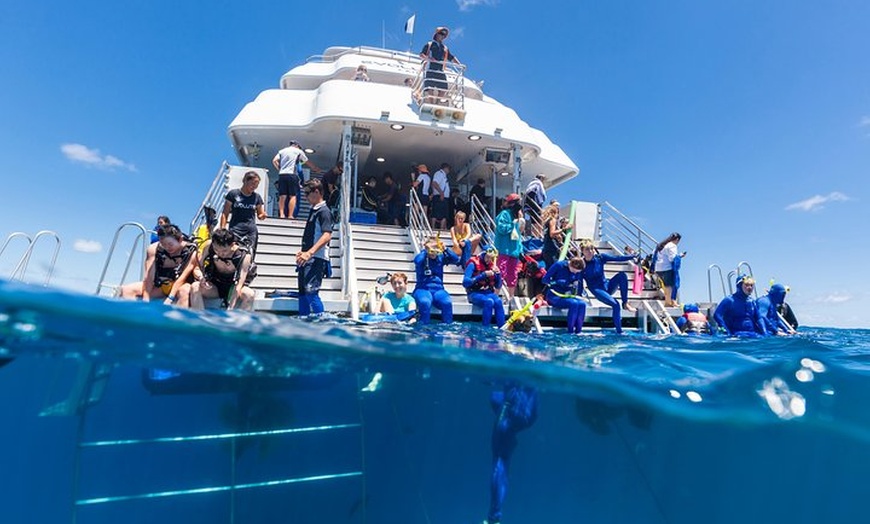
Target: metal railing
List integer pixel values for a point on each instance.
(17, 234)
(710, 269)
(453, 96)
(535, 223)
(418, 222)
(619, 230)
(140, 237)
(213, 198)
(481, 222)
(21, 268)
(366, 50)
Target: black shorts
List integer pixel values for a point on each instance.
(311, 276)
(440, 207)
(288, 184)
(435, 80)
(424, 200)
(667, 277)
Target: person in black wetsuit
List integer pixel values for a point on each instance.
(516, 408)
(242, 208)
(226, 271)
(169, 264)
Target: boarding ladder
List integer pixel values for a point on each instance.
(20, 270)
(725, 283)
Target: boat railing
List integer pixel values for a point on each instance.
(710, 270)
(349, 288)
(140, 246)
(213, 198)
(366, 50)
(418, 223)
(481, 222)
(452, 97)
(12, 236)
(535, 223)
(21, 268)
(619, 230)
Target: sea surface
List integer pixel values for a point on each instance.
(336, 421)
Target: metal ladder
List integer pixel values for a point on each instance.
(21, 267)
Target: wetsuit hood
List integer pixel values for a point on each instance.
(777, 294)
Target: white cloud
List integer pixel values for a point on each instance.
(467, 5)
(457, 32)
(87, 246)
(865, 121)
(817, 202)
(834, 298)
(93, 158)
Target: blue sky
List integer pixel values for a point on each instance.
(744, 125)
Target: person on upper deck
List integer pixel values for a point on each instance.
(242, 208)
(435, 54)
(602, 288)
(482, 282)
(737, 315)
(429, 290)
(362, 73)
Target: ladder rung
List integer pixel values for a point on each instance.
(216, 489)
(216, 437)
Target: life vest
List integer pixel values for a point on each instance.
(238, 256)
(696, 323)
(485, 284)
(164, 274)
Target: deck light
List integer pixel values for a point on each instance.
(504, 173)
(397, 127)
(474, 138)
(309, 151)
(381, 159)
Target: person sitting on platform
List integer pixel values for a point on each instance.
(398, 300)
(603, 288)
(693, 322)
(429, 290)
(561, 281)
(226, 269)
(737, 315)
(482, 281)
(169, 264)
(464, 242)
(768, 310)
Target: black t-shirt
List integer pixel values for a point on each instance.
(243, 218)
(479, 192)
(437, 52)
(330, 178)
(319, 222)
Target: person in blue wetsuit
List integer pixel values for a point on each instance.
(482, 281)
(561, 281)
(768, 308)
(601, 287)
(516, 408)
(738, 314)
(429, 290)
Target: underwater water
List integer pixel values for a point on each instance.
(331, 420)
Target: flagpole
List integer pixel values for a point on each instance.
(383, 34)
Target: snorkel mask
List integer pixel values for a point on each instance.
(435, 247)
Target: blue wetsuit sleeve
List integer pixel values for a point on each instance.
(498, 280)
(719, 315)
(419, 258)
(549, 275)
(614, 258)
(467, 279)
(451, 257)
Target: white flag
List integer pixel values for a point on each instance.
(409, 25)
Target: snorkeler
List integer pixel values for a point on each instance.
(482, 281)
(738, 314)
(561, 280)
(429, 290)
(768, 310)
(602, 287)
(516, 408)
(693, 322)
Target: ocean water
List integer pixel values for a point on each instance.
(631, 428)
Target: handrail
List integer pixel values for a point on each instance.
(349, 287)
(481, 222)
(710, 284)
(535, 225)
(25, 258)
(140, 236)
(418, 223)
(15, 235)
(617, 228)
(359, 50)
(660, 326)
(454, 77)
(213, 198)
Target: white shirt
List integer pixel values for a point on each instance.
(665, 260)
(441, 179)
(288, 157)
(424, 180)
